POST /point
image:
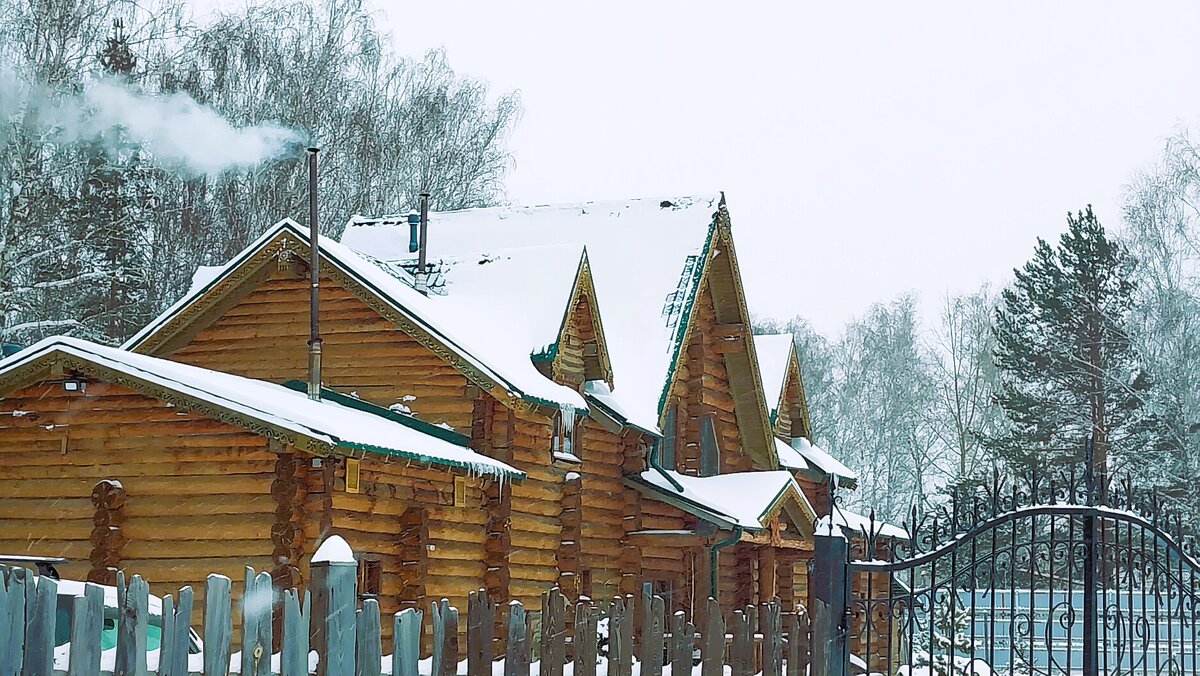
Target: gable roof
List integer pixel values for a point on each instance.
(774, 353)
(745, 500)
(484, 359)
(526, 293)
(275, 411)
(642, 254)
(806, 456)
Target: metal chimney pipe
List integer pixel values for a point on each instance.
(314, 333)
(424, 243)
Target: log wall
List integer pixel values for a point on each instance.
(265, 335)
(198, 490)
(701, 387)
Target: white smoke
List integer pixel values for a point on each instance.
(174, 129)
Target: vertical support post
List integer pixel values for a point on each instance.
(333, 578)
(1090, 649)
(829, 612)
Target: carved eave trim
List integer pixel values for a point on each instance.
(38, 368)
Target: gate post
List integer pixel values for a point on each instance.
(829, 648)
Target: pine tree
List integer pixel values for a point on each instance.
(105, 218)
(1067, 367)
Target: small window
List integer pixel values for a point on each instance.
(710, 452)
(353, 473)
(370, 577)
(460, 491)
(564, 435)
(666, 453)
(585, 582)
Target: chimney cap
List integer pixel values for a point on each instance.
(414, 218)
(313, 149)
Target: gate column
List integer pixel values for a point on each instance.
(828, 582)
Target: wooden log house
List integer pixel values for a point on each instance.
(565, 395)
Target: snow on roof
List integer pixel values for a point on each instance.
(524, 290)
(480, 348)
(817, 456)
(852, 524)
(276, 405)
(639, 255)
(203, 275)
(743, 498)
(773, 351)
(598, 391)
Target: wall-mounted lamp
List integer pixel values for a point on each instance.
(74, 385)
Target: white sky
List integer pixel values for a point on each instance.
(864, 150)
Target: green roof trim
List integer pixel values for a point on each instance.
(690, 506)
(516, 474)
(685, 317)
(547, 354)
(366, 406)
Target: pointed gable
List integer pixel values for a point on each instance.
(714, 377)
(580, 353)
(783, 386)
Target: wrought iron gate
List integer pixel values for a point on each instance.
(1034, 575)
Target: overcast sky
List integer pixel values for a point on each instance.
(865, 150)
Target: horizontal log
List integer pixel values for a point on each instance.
(46, 508)
(207, 527)
(14, 527)
(176, 549)
(130, 471)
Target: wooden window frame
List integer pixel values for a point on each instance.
(370, 576)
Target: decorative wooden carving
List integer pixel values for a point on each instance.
(108, 542)
(286, 533)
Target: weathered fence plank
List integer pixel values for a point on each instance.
(406, 642)
(297, 617)
(554, 628)
(87, 620)
(257, 599)
(585, 639)
(445, 638)
(39, 632)
(741, 651)
(481, 614)
(218, 629)
(772, 630)
(132, 618)
(798, 648)
(12, 619)
(333, 578)
(712, 650)
(683, 644)
(516, 652)
(620, 636)
(652, 638)
(368, 656)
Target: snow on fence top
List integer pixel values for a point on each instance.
(636, 250)
(323, 420)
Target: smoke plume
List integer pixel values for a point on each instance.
(174, 129)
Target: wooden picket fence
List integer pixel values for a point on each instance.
(325, 631)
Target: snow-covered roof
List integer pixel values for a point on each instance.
(851, 524)
(597, 392)
(802, 454)
(524, 290)
(638, 251)
(490, 354)
(742, 499)
(773, 352)
(327, 421)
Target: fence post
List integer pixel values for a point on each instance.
(713, 647)
(620, 636)
(297, 618)
(12, 618)
(333, 577)
(829, 649)
(217, 626)
(39, 633)
(772, 645)
(406, 642)
(370, 643)
(516, 649)
(256, 623)
(86, 622)
(132, 618)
